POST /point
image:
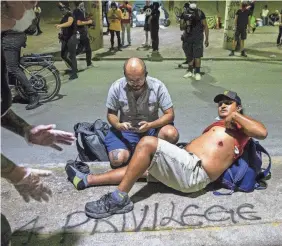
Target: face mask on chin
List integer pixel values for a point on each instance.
(24, 23)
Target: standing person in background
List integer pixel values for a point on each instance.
(68, 38)
(82, 23)
(154, 26)
(114, 16)
(264, 15)
(193, 24)
(148, 11)
(279, 42)
(105, 8)
(242, 23)
(252, 18)
(37, 11)
(126, 10)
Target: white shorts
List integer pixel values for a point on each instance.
(177, 168)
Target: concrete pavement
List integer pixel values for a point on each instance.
(161, 216)
(260, 46)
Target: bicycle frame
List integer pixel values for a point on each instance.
(44, 63)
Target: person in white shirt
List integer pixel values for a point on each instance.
(264, 15)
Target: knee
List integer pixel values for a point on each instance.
(169, 133)
(148, 144)
(119, 157)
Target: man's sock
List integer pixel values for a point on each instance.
(118, 196)
(197, 70)
(190, 68)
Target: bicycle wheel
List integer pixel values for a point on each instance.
(44, 79)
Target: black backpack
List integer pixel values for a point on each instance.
(92, 136)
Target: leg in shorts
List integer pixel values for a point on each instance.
(240, 33)
(177, 168)
(193, 48)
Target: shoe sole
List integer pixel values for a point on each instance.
(129, 207)
(190, 76)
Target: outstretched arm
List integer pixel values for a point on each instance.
(44, 135)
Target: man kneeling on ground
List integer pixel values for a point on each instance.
(188, 170)
(138, 97)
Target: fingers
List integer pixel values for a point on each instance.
(62, 134)
(142, 123)
(126, 125)
(64, 142)
(41, 172)
(56, 147)
(39, 128)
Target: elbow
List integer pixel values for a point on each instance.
(171, 117)
(263, 134)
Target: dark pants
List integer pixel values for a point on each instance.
(68, 53)
(113, 37)
(107, 20)
(279, 35)
(84, 42)
(155, 38)
(12, 44)
(38, 23)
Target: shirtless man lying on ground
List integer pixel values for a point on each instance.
(188, 170)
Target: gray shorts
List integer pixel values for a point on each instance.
(177, 168)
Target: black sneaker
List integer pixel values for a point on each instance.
(231, 53)
(73, 76)
(243, 53)
(33, 102)
(77, 174)
(107, 206)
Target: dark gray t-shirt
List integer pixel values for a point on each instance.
(197, 27)
(147, 106)
(243, 18)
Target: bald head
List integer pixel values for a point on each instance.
(134, 66)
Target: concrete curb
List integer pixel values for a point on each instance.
(174, 59)
(276, 160)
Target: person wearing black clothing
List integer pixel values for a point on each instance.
(68, 39)
(105, 8)
(193, 24)
(242, 21)
(12, 42)
(82, 23)
(154, 26)
(148, 11)
(279, 41)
